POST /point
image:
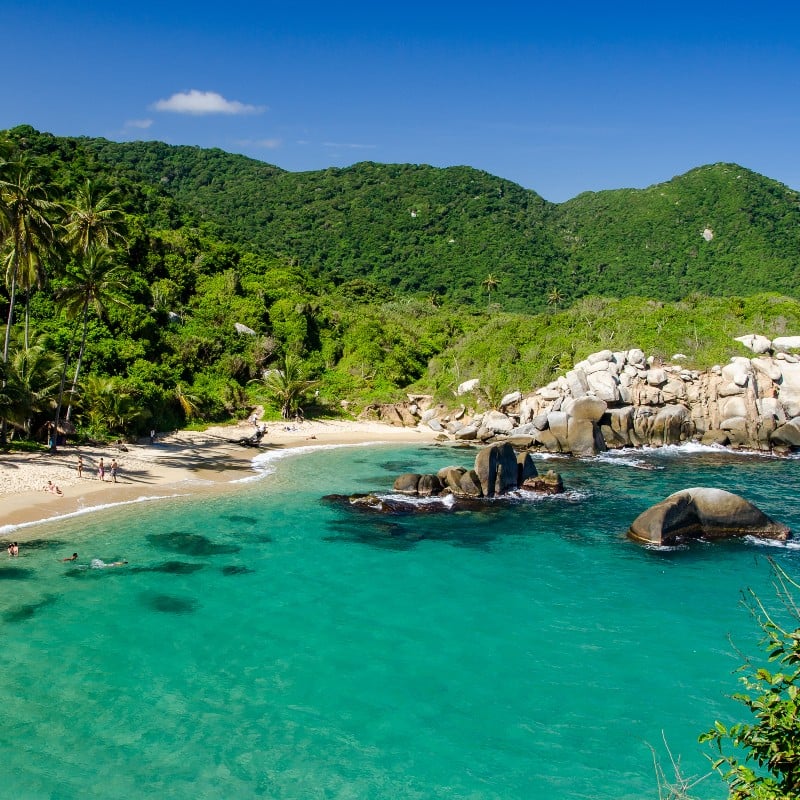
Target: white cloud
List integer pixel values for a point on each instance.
(196, 102)
(142, 124)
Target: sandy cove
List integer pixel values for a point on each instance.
(184, 462)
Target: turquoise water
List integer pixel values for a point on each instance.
(267, 643)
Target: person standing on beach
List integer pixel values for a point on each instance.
(101, 470)
(80, 466)
(152, 435)
(114, 468)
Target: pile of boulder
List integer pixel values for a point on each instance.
(615, 399)
(498, 470)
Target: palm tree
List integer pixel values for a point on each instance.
(490, 283)
(9, 396)
(27, 233)
(107, 406)
(34, 371)
(28, 236)
(93, 282)
(286, 387)
(189, 403)
(554, 298)
(93, 222)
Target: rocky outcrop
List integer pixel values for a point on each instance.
(498, 470)
(614, 399)
(703, 513)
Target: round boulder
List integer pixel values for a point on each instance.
(703, 513)
(407, 483)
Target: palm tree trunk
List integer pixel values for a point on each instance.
(12, 299)
(27, 315)
(11, 303)
(80, 357)
(54, 444)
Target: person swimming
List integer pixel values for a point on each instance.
(98, 563)
(73, 557)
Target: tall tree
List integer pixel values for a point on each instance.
(93, 282)
(27, 234)
(490, 283)
(92, 221)
(33, 371)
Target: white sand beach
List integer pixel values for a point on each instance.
(178, 463)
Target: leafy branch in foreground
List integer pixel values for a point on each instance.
(765, 761)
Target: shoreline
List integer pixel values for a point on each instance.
(181, 463)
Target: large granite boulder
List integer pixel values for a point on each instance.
(497, 470)
(429, 485)
(525, 468)
(703, 513)
(755, 342)
(407, 483)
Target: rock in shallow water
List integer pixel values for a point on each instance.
(704, 513)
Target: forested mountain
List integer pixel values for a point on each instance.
(420, 229)
(718, 229)
(366, 280)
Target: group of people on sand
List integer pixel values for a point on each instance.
(101, 469)
(101, 474)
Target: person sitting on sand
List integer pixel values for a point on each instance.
(73, 557)
(51, 487)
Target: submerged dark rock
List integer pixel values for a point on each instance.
(170, 604)
(382, 504)
(15, 573)
(236, 569)
(172, 568)
(26, 611)
(243, 518)
(190, 544)
(704, 513)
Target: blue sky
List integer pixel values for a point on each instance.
(559, 97)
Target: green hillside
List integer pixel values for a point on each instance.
(366, 281)
(651, 241)
(423, 230)
(406, 227)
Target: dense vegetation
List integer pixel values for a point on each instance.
(760, 758)
(357, 284)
